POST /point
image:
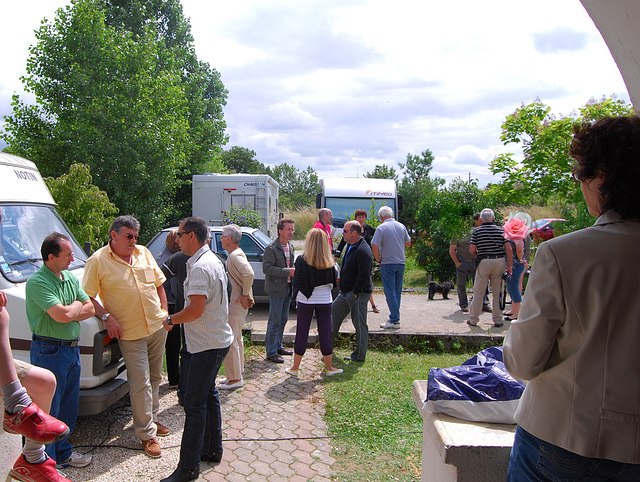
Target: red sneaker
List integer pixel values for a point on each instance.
(36, 425)
(44, 472)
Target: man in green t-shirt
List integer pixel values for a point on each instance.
(55, 303)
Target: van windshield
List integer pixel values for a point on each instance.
(22, 230)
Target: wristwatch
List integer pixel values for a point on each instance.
(105, 316)
(169, 321)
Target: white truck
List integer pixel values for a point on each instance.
(28, 216)
(213, 194)
(343, 195)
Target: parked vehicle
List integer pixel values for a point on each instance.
(28, 216)
(343, 195)
(544, 229)
(212, 194)
(253, 243)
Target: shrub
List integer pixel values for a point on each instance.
(242, 216)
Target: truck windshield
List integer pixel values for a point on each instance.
(343, 208)
(22, 230)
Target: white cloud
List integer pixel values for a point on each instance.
(343, 85)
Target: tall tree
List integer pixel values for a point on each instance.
(382, 171)
(297, 188)
(243, 160)
(129, 99)
(416, 186)
(545, 168)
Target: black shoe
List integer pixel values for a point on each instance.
(348, 358)
(183, 475)
(487, 309)
(214, 457)
(276, 359)
(283, 351)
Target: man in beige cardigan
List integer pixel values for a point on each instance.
(241, 275)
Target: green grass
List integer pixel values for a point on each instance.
(370, 412)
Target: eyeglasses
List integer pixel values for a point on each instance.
(180, 233)
(130, 236)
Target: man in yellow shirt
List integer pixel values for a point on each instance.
(133, 305)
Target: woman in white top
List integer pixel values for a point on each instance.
(314, 278)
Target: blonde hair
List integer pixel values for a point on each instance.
(317, 252)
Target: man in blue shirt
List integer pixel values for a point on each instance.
(388, 245)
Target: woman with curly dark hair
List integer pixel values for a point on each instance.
(578, 332)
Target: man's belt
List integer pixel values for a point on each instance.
(492, 256)
(55, 341)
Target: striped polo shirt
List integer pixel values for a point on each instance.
(488, 240)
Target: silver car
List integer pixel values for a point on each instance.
(253, 243)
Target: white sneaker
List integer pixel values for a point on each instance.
(335, 371)
(230, 386)
(390, 326)
(75, 460)
(292, 372)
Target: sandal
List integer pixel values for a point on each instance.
(509, 318)
(508, 313)
(375, 309)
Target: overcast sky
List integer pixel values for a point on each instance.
(343, 85)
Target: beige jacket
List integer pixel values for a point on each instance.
(241, 275)
(577, 340)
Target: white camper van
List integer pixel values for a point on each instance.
(28, 216)
(343, 195)
(215, 193)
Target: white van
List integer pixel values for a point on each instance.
(28, 216)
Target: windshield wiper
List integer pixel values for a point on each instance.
(25, 261)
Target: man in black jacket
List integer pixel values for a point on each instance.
(355, 288)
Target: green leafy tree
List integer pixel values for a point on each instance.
(243, 160)
(382, 171)
(118, 87)
(416, 186)
(85, 208)
(297, 188)
(447, 214)
(544, 172)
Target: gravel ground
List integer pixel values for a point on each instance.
(117, 452)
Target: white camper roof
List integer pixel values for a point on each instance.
(21, 182)
(359, 187)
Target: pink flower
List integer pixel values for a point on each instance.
(515, 229)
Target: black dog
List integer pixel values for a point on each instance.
(443, 289)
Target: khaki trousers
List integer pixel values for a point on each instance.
(143, 358)
(234, 361)
(488, 271)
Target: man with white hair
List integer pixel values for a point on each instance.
(388, 245)
(489, 246)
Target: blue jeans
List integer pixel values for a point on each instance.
(513, 285)
(533, 459)
(392, 276)
(203, 422)
(64, 363)
(278, 317)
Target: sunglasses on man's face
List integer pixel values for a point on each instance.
(130, 236)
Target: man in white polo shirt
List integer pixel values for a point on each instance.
(208, 335)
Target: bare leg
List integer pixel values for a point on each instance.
(328, 362)
(296, 361)
(7, 369)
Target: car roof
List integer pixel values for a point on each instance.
(216, 229)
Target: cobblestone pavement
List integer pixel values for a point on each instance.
(274, 427)
(273, 430)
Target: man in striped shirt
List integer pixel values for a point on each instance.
(488, 244)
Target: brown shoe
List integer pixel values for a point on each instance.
(162, 431)
(152, 448)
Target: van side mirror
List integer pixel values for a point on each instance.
(87, 248)
(318, 200)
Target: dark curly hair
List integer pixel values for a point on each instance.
(611, 146)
